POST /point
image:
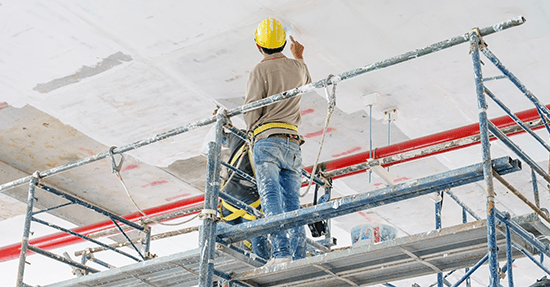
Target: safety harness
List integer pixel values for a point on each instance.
(236, 212)
(273, 125)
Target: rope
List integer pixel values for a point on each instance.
(116, 170)
(331, 99)
(143, 213)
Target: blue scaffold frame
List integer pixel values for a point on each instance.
(214, 233)
(478, 44)
(81, 267)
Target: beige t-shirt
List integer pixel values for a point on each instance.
(275, 74)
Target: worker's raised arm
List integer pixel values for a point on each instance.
(296, 48)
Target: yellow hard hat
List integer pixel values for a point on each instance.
(270, 34)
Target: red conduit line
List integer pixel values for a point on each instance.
(61, 239)
(442, 137)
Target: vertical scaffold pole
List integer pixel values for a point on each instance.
(509, 259)
(465, 220)
(487, 168)
(208, 234)
(147, 245)
(26, 231)
(438, 206)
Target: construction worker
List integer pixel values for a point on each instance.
(274, 131)
(243, 190)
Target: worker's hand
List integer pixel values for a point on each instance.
(296, 48)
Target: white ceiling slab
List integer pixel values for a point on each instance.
(109, 73)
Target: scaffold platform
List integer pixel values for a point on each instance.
(431, 252)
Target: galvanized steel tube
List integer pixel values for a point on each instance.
(276, 98)
(516, 82)
(26, 231)
(208, 235)
(486, 154)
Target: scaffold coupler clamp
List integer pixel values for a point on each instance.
(327, 181)
(210, 214)
(480, 42)
(36, 175)
(115, 168)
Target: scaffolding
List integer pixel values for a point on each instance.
(469, 245)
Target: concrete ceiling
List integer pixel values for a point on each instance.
(77, 77)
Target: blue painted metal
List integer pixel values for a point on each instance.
(239, 204)
(486, 152)
(505, 218)
(509, 259)
(26, 231)
(237, 283)
(350, 204)
(316, 179)
(91, 206)
(87, 257)
(84, 237)
(494, 78)
(242, 251)
(492, 244)
(128, 239)
(505, 266)
(213, 183)
(465, 220)
(545, 122)
(275, 98)
(147, 240)
(465, 208)
(389, 285)
(238, 133)
(516, 82)
(517, 150)
(239, 172)
(469, 273)
(438, 206)
(516, 119)
(221, 274)
(62, 259)
(522, 250)
(52, 208)
(535, 188)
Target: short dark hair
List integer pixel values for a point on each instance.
(275, 50)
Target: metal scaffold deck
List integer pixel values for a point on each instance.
(406, 257)
(469, 245)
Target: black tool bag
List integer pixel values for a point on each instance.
(318, 228)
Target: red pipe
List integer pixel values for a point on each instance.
(61, 239)
(442, 137)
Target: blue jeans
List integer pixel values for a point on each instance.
(278, 166)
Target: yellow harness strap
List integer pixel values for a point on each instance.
(236, 213)
(267, 126)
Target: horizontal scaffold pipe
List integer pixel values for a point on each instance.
(362, 201)
(425, 146)
(275, 98)
(61, 239)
